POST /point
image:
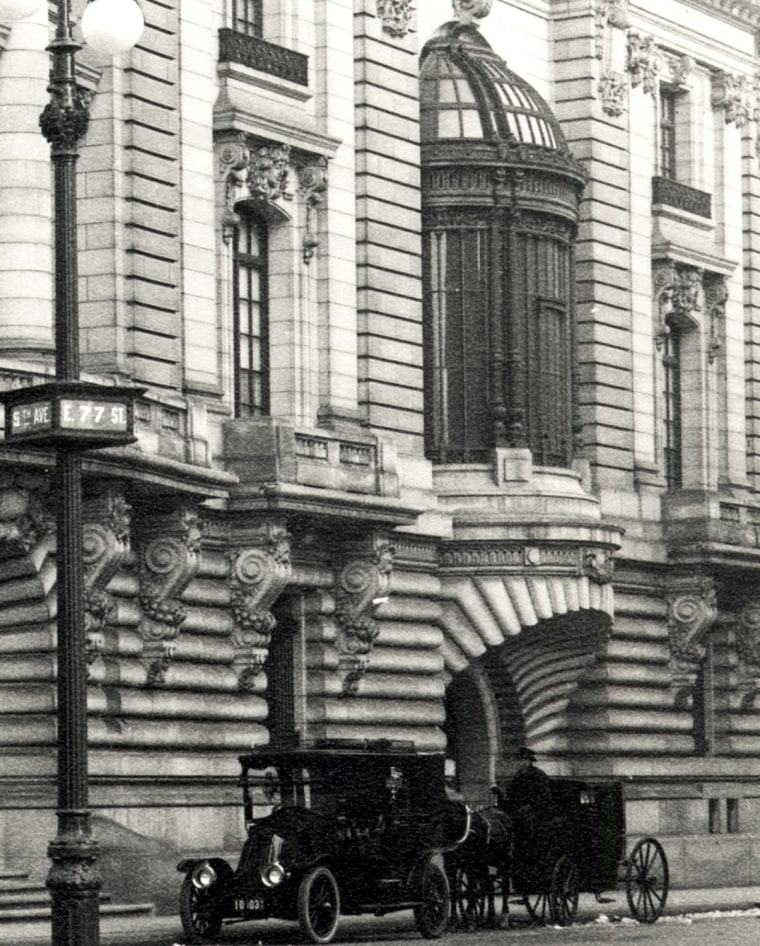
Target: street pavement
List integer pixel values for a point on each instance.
(166, 930)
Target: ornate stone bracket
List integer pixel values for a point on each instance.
(692, 610)
(610, 16)
(645, 61)
(716, 296)
(105, 546)
(24, 522)
(168, 562)
(599, 566)
(748, 650)
(396, 16)
(678, 291)
(361, 582)
(313, 182)
(233, 161)
(258, 575)
(612, 93)
(735, 95)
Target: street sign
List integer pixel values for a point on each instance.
(74, 413)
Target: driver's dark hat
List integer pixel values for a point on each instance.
(527, 754)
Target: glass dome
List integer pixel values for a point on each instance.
(467, 92)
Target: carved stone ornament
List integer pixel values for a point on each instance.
(645, 61)
(748, 648)
(268, 171)
(313, 187)
(168, 562)
(614, 14)
(612, 93)
(396, 16)
(257, 578)
(470, 11)
(234, 157)
(24, 522)
(105, 547)
(599, 566)
(734, 94)
(680, 68)
(692, 610)
(715, 298)
(362, 581)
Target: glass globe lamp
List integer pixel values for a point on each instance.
(12, 10)
(110, 27)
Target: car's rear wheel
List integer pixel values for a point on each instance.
(200, 918)
(319, 905)
(432, 915)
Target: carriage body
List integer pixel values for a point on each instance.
(338, 829)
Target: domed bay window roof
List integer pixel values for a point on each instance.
(467, 91)
(500, 196)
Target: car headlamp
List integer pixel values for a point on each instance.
(204, 876)
(273, 875)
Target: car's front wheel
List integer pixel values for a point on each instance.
(200, 918)
(432, 915)
(319, 905)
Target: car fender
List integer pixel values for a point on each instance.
(188, 864)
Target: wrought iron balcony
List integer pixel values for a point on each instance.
(674, 194)
(266, 57)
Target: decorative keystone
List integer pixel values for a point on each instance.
(257, 578)
(168, 562)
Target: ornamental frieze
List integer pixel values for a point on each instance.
(258, 575)
(503, 555)
(105, 548)
(692, 610)
(362, 581)
(168, 561)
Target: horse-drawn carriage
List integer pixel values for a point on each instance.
(543, 851)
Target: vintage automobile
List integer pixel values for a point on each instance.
(339, 828)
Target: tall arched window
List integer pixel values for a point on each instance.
(251, 317)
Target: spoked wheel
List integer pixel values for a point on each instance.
(200, 917)
(497, 910)
(647, 880)
(538, 906)
(319, 905)
(432, 915)
(564, 892)
(469, 901)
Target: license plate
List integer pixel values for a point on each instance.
(249, 905)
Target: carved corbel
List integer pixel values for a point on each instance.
(612, 93)
(748, 650)
(599, 566)
(692, 610)
(362, 584)
(105, 547)
(257, 578)
(234, 157)
(734, 94)
(168, 562)
(396, 16)
(645, 61)
(680, 68)
(313, 185)
(665, 280)
(716, 296)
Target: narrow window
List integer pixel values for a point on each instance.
(671, 414)
(251, 329)
(247, 17)
(668, 100)
(732, 815)
(713, 815)
(456, 349)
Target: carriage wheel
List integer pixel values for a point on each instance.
(319, 905)
(647, 880)
(470, 890)
(431, 917)
(198, 912)
(564, 892)
(538, 906)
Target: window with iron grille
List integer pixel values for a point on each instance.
(248, 17)
(251, 322)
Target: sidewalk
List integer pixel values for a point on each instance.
(166, 930)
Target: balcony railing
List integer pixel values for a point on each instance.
(266, 57)
(674, 194)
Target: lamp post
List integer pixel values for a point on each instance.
(70, 416)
